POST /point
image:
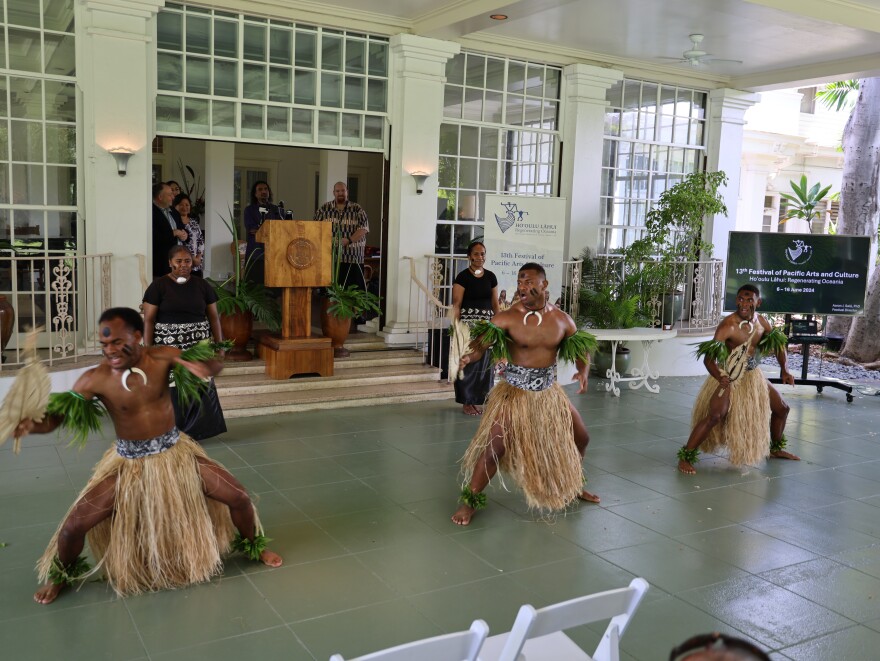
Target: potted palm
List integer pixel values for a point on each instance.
(240, 302)
(341, 304)
(673, 237)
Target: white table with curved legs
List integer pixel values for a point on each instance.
(640, 375)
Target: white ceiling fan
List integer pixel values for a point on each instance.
(696, 56)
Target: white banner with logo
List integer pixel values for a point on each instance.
(523, 229)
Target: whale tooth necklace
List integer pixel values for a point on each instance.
(475, 270)
(128, 373)
(538, 313)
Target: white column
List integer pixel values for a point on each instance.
(219, 201)
(583, 133)
(755, 174)
(727, 108)
(332, 168)
(116, 72)
(416, 113)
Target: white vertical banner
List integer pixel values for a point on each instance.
(521, 229)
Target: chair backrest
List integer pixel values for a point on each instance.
(459, 646)
(616, 605)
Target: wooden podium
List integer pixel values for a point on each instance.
(297, 259)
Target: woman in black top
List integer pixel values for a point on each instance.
(179, 311)
(475, 297)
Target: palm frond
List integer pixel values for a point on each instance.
(839, 95)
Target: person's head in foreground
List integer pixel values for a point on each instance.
(717, 647)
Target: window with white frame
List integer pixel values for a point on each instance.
(499, 135)
(654, 137)
(38, 109)
(233, 75)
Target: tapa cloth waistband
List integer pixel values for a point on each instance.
(138, 449)
(751, 364)
(530, 378)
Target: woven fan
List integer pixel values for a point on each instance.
(28, 397)
(458, 347)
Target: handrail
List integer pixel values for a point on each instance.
(421, 285)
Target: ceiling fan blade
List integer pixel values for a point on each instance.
(721, 60)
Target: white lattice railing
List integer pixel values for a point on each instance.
(60, 295)
(430, 300)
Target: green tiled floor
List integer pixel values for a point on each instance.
(358, 503)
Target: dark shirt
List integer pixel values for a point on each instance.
(163, 239)
(253, 220)
(180, 304)
(477, 301)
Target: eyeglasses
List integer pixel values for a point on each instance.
(718, 641)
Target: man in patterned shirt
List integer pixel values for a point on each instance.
(350, 227)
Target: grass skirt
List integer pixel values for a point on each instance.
(164, 532)
(745, 432)
(539, 450)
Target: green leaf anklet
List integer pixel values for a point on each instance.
(777, 446)
(75, 573)
(252, 549)
(688, 456)
(476, 501)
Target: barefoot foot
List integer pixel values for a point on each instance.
(782, 454)
(470, 409)
(270, 559)
(48, 593)
(463, 514)
(686, 467)
(588, 497)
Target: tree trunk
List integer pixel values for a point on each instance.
(858, 200)
(863, 342)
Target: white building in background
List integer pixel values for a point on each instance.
(561, 98)
(788, 134)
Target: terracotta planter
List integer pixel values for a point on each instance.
(336, 329)
(237, 327)
(7, 321)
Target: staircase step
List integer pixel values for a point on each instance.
(357, 377)
(240, 406)
(357, 359)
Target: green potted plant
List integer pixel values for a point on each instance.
(609, 297)
(341, 304)
(674, 236)
(240, 302)
(803, 204)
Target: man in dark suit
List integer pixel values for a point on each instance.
(168, 229)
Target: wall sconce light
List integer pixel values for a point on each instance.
(420, 178)
(121, 154)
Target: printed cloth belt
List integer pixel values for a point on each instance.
(182, 336)
(530, 378)
(751, 364)
(138, 449)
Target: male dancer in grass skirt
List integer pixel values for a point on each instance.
(737, 408)
(529, 428)
(157, 511)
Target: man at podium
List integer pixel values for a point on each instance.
(350, 227)
(260, 209)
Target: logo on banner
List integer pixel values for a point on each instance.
(799, 253)
(513, 215)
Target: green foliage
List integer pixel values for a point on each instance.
(773, 342)
(714, 349)
(351, 301)
(252, 549)
(79, 415)
(486, 334)
(839, 94)
(578, 347)
(803, 203)
(778, 445)
(476, 501)
(60, 575)
(189, 386)
(238, 294)
(690, 456)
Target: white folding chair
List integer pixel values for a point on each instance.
(537, 634)
(459, 646)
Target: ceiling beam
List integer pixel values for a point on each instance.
(810, 74)
(838, 12)
(460, 17)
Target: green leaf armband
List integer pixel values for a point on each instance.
(487, 334)
(577, 347)
(773, 342)
(251, 549)
(714, 349)
(79, 415)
